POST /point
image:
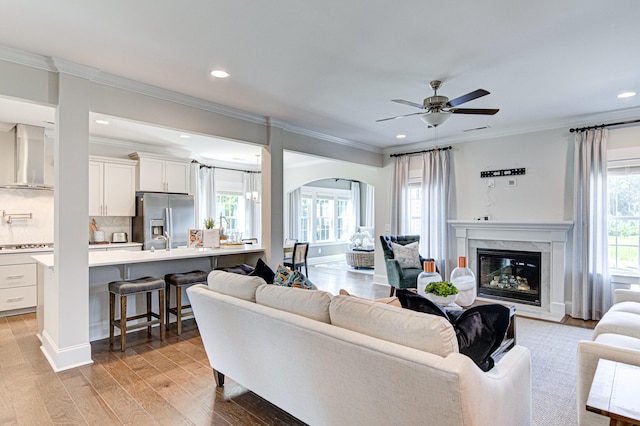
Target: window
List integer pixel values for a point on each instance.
(623, 221)
(305, 217)
(230, 204)
(326, 215)
(415, 208)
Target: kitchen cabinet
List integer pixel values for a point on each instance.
(17, 286)
(158, 174)
(112, 187)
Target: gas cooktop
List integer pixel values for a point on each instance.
(26, 246)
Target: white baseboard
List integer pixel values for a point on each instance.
(325, 259)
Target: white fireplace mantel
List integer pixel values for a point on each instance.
(548, 237)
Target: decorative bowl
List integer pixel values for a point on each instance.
(441, 300)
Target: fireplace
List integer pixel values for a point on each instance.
(509, 275)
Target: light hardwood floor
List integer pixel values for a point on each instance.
(152, 382)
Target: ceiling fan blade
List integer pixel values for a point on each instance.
(482, 111)
(400, 116)
(468, 97)
(413, 104)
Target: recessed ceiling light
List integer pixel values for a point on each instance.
(401, 136)
(219, 74)
(104, 122)
(627, 94)
(185, 136)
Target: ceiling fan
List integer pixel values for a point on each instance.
(437, 109)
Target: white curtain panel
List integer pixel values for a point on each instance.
(251, 184)
(295, 208)
(355, 203)
(369, 205)
(205, 195)
(435, 207)
(400, 196)
(591, 284)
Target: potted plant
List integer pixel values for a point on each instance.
(210, 235)
(441, 292)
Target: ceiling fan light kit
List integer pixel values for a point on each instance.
(435, 118)
(437, 109)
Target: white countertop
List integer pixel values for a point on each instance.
(123, 257)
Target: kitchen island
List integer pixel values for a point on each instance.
(107, 266)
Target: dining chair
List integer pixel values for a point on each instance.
(298, 257)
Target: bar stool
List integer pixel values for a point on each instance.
(179, 281)
(126, 288)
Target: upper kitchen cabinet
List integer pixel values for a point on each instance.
(112, 187)
(158, 174)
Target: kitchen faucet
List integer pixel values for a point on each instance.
(167, 240)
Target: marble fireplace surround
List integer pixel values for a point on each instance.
(548, 238)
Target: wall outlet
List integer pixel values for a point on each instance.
(319, 250)
(512, 182)
(491, 183)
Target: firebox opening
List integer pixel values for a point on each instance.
(509, 275)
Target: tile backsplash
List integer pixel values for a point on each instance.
(111, 224)
(38, 229)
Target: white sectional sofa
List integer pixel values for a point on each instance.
(617, 338)
(342, 360)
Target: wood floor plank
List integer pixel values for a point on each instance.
(59, 404)
(89, 403)
(146, 396)
(123, 405)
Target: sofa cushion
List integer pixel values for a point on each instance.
(408, 328)
(479, 329)
(236, 285)
(619, 322)
(619, 340)
(407, 256)
(630, 307)
(263, 271)
(311, 304)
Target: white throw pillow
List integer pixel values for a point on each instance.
(407, 256)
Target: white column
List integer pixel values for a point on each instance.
(273, 196)
(65, 338)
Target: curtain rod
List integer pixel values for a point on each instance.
(225, 168)
(421, 152)
(601, 126)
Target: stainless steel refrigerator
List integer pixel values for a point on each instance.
(159, 215)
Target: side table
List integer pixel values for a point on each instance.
(614, 392)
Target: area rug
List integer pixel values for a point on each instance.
(553, 358)
(342, 266)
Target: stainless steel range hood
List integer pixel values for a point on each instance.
(27, 158)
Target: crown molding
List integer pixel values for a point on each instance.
(323, 136)
(25, 58)
(133, 146)
(67, 67)
(171, 96)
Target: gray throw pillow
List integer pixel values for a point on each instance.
(407, 256)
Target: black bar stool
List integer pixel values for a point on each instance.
(125, 288)
(179, 281)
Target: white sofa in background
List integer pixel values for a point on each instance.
(338, 360)
(617, 338)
